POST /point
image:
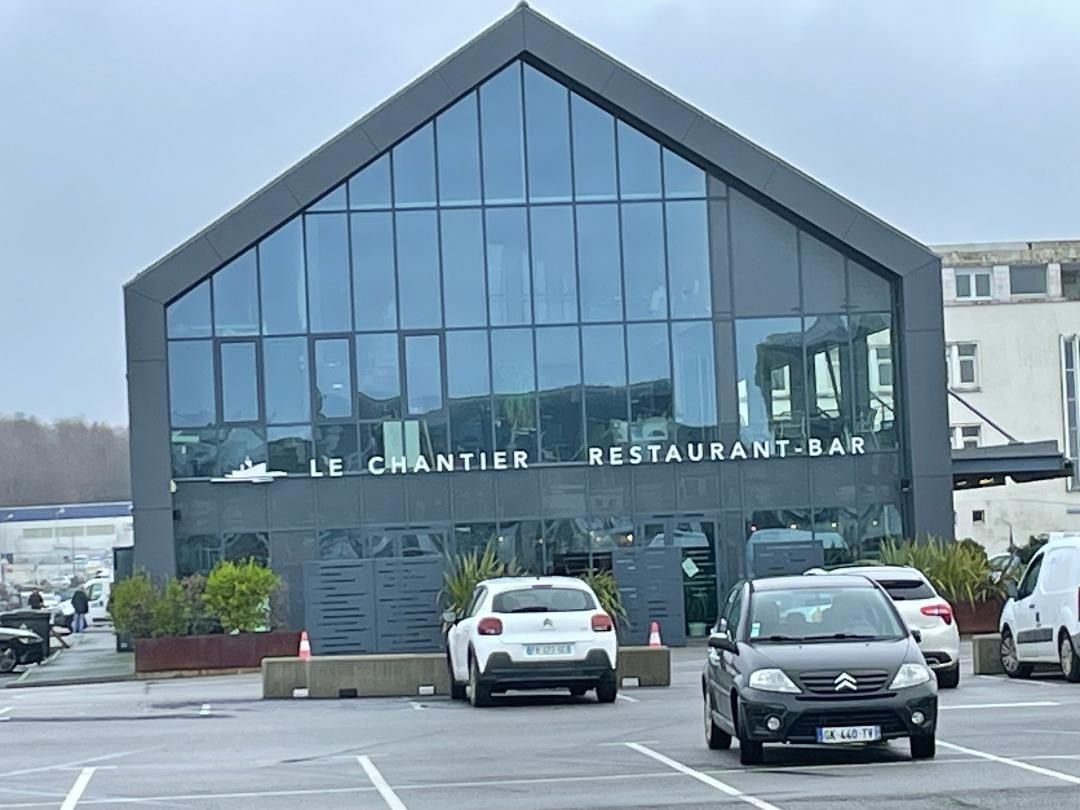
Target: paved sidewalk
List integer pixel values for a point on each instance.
(92, 659)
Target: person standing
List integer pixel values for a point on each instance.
(81, 604)
(36, 601)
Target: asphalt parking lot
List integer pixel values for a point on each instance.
(210, 742)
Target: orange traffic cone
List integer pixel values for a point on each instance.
(305, 646)
(654, 635)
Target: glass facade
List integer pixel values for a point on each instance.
(527, 276)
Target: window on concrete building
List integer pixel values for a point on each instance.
(1027, 279)
(966, 436)
(1070, 281)
(978, 516)
(962, 365)
(973, 284)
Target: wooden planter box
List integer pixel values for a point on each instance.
(203, 653)
(982, 617)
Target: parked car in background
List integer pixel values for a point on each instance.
(19, 646)
(1040, 622)
(923, 609)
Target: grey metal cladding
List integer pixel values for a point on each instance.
(653, 106)
(144, 327)
(925, 402)
(472, 63)
(923, 308)
(337, 159)
(148, 421)
(249, 223)
(730, 151)
(180, 270)
(394, 119)
(157, 558)
(932, 497)
(814, 203)
(568, 54)
(885, 245)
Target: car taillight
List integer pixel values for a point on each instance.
(601, 623)
(942, 611)
(489, 626)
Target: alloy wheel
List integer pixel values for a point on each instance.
(1067, 656)
(8, 659)
(1009, 659)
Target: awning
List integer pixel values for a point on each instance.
(1020, 462)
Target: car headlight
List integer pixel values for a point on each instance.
(910, 675)
(772, 680)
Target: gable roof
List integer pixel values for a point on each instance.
(524, 33)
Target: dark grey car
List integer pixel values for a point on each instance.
(815, 660)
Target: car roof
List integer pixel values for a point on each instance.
(800, 582)
(509, 583)
(881, 571)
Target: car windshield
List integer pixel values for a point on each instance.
(541, 599)
(902, 590)
(822, 614)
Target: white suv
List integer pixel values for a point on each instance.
(532, 633)
(924, 610)
(1040, 623)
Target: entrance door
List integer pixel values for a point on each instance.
(696, 538)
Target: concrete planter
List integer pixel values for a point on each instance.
(982, 617)
(216, 652)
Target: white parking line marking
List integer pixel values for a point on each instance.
(703, 778)
(205, 710)
(1064, 777)
(77, 789)
(1003, 679)
(418, 706)
(4, 711)
(627, 698)
(387, 793)
(1027, 705)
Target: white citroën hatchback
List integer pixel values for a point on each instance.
(532, 633)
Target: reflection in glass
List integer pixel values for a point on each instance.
(423, 374)
(695, 379)
(469, 537)
(558, 369)
(594, 150)
(639, 164)
(189, 315)
(828, 376)
(191, 383)
(248, 546)
(650, 383)
(281, 281)
(332, 201)
(876, 524)
(197, 554)
(606, 418)
(688, 259)
(781, 542)
(459, 154)
(239, 383)
(285, 380)
(465, 290)
(837, 530)
(337, 441)
(327, 246)
(547, 137)
(522, 541)
(414, 169)
(194, 453)
(875, 382)
(514, 384)
(378, 383)
(422, 543)
(696, 540)
(769, 371)
(238, 445)
(418, 269)
(341, 544)
(682, 178)
(236, 297)
(599, 262)
(509, 296)
(468, 384)
(290, 448)
(374, 287)
(643, 261)
(554, 279)
(566, 546)
(503, 137)
(370, 188)
(333, 379)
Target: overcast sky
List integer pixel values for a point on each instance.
(126, 126)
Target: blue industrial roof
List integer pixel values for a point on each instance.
(65, 511)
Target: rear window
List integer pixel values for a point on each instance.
(542, 600)
(903, 590)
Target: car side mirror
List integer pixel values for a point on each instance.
(1012, 590)
(724, 643)
(917, 635)
(450, 617)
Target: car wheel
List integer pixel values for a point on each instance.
(607, 690)
(1010, 659)
(457, 690)
(948, 678)
(479, 693)
(8, 658)
(716, 738)
(1070, 661)
(923, 747)
(577, 691)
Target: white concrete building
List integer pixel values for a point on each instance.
(1012, 320)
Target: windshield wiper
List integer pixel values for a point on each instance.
(778, 637)
(842, 637)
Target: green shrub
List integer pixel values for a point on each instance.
(464, 572)
(959, 571)
(169, 617)
(238, 595)
(132, 605)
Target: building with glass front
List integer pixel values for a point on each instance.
(536, 301)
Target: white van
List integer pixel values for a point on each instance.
(97, 591)
(1040, 623)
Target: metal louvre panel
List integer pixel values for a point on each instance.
(339, 606)
(650, 584)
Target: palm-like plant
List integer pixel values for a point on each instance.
(607, 591)
(465, 571)
(959, 571)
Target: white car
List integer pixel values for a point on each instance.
(532, 633)
(923, 610)
(1040, 623)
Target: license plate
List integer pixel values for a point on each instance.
(849, 734)
(544, 650)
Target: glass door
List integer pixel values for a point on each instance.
(696, 537)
